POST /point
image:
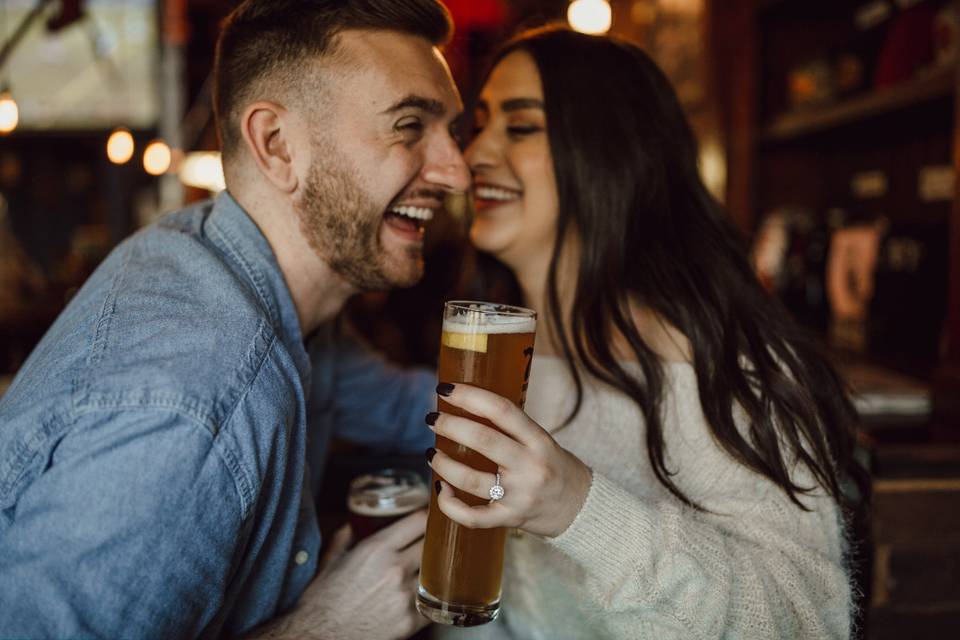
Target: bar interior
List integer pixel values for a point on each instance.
(827, 129)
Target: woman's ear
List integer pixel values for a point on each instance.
(266, 130)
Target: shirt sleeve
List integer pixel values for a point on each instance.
(130, 531)
(380, 404)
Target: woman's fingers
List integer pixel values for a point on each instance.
(488, 442)
(461, 476)
(497, 409)
(483, 517)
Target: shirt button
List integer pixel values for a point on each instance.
(301, 557)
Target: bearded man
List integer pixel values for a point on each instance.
(160, 449)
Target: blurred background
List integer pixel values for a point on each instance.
(826, 127)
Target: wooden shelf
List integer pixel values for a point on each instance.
(798, 124)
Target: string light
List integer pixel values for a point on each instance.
(157, 158)
(590, 16)
(9, 113)
(120, 146)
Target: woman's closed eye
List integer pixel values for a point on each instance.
(522, 130)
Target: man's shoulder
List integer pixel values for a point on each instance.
(172, 275)
(167, 320)
(179, 319)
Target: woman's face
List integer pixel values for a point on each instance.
(514, 188)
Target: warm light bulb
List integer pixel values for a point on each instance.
(157, 158)
(204, 170)
(120, 146)
(590, 16)
(9, 113)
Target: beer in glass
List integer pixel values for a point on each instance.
(488, 346)
(380, 498)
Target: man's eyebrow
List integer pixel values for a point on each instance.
(429, 105)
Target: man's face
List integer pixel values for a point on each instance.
(382, 157)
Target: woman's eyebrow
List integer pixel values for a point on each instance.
(512, 104)
(516, 104)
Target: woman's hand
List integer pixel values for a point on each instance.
(544, 484)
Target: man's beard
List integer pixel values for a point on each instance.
(342, 223)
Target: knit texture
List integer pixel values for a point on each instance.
(637, 563)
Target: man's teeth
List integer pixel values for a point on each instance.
(493, 193)
(417, 213)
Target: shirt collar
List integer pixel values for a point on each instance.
(232, 230)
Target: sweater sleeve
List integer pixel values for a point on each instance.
(757, 566)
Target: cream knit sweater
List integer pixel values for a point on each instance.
(636, 563)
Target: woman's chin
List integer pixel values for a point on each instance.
(483, 241)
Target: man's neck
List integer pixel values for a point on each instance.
(318, 292)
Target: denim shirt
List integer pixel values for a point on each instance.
(160, 448)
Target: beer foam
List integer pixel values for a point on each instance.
(469, 324)
(375, 511)
(387, 500)
(483, 324)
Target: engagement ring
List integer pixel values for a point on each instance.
(496, 491)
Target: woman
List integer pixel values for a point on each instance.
(679, 474)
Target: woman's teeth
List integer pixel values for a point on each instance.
(417, 213)
(494, 193)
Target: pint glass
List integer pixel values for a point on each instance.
(380, 498)
(488, 346)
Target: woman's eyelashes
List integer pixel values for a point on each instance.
(513, 130)
(522, 130)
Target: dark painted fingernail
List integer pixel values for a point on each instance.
(430, 453)
(431, 418)
(436, 485)
(444, 388)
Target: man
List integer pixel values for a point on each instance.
(157, 471)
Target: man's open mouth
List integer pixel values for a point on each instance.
(408, 217)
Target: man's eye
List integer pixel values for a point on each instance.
(409, 126)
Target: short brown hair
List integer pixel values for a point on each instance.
(263, 39)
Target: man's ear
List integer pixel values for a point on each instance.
(265, 129)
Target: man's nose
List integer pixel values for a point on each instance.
(447, 168)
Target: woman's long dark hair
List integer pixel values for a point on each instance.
(625, 160)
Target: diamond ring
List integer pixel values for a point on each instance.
(496, 491)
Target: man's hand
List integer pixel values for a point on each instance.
(366, 593)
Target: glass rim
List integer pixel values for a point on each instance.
(490, 308)
(371, 490)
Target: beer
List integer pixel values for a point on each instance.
(488, 346)
(379, 499)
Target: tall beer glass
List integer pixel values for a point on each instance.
(488, 346)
